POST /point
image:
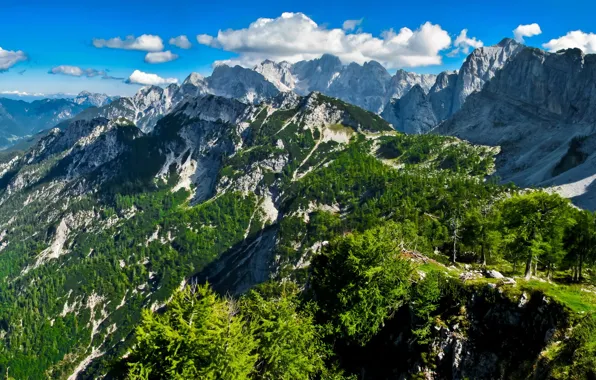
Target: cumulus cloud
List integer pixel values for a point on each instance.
(9, 58)
(146, 42)
(574, 39)
(181, 41)
(463, 44)
(294, 36)
(350, 25)
(528, 30)
(139, 77)
(75, 71)
(205, 39)
(160, 57)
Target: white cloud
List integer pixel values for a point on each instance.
(350, 25)
(181, 41)
(575, 39)
(9, 58)
(146, 42)
(75, 71)
(463, 43)
(294, 36)
(139, 77)
(205, 39)
(160, 57)
(528, 30)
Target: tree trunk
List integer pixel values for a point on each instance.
(535, 270)
(528, 268)
(483, 256)
(581, 267)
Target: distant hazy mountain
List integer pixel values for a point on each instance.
(19, 118)
(96, 100)
(369, 86)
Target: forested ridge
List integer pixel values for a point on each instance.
(388, 251)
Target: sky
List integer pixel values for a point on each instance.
(114, 47)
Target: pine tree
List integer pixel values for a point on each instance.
(536, 223)
(290, 346)
(199, 336)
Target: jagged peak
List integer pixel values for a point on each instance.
(507, 41)
(194, 79)
(268, 62)
(147, 89)
(330, 58)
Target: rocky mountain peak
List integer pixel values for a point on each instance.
(280, 74)
(87, 98)
(481, 65)
(241, 83)
(194, 79)
(328, 61)
(505, 42)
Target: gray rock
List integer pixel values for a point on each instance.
(412, 113)
(491, 273)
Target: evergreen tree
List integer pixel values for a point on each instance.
(581, 242)
(290, 346)
(359, 280)
(536, 223)
(198, 337)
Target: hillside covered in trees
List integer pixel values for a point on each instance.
(297, 239)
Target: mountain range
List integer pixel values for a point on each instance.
(237, 179)
(369, 86)
(412, 103)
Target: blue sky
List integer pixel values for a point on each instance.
(61, 33)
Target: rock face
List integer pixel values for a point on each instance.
(147, 106)
(541, 109)
(317, 74)
(280, 74)
(450, 90)
(239, 83)
(403, 81)
(480, 66)
(412, 113)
